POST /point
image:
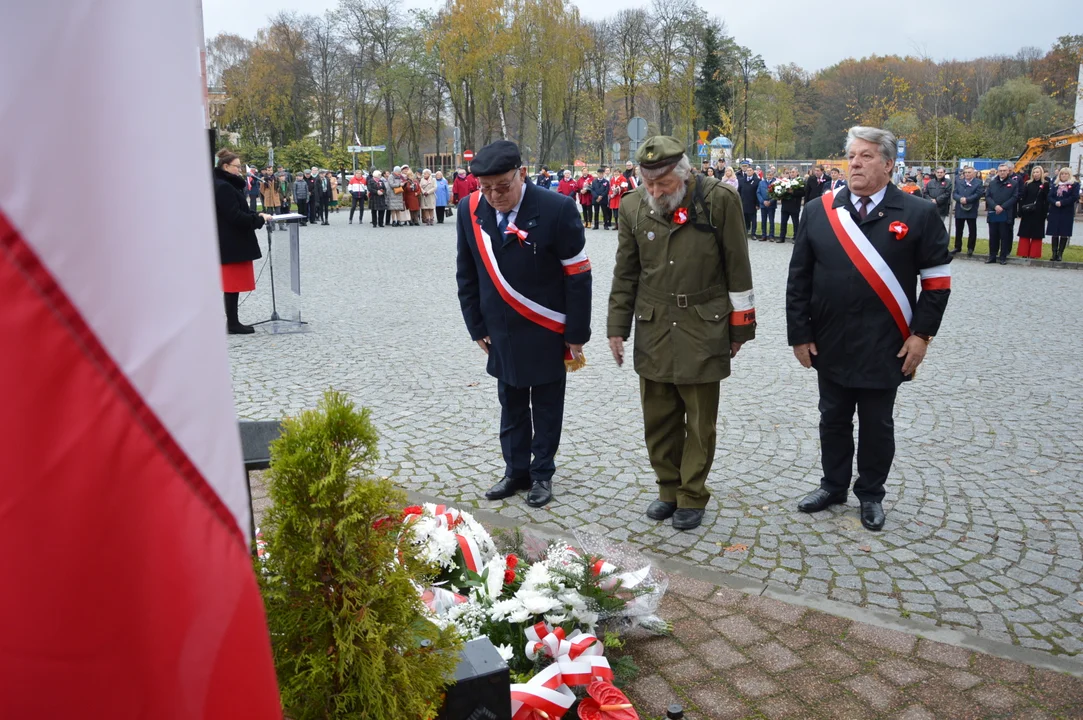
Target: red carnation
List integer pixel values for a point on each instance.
(898, 229)
(382, 523)
(412, 510)
(509, 577)
(513, 562)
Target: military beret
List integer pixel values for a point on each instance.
(659, 151)
(496, 158)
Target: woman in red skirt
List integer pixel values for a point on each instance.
(237, 243)
(619, 186)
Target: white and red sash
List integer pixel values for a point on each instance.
(533, 311)
(869, 263)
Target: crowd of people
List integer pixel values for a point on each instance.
(1043, 203)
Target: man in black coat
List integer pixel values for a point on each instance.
(1001, 195)
(852, 314)
(748, 185)
(816, 184)
(524, 287)
(939, 190)
(599, 188)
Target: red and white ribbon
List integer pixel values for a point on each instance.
(579, 656)
(869, 263)
(936, 278)
(513, 230)
(576, 265)
(545, 693)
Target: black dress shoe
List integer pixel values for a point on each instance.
(970, 253)
(541, 492)
(821, 499)
(1002, 261)
(687, 518)
(872, 515)
(661, 510)
(781, 240)
(506, 488)
(239, 329)
(956, 251)
(990, 261)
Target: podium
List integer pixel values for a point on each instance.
(284, 265)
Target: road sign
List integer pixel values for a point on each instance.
(468, 155)
(366, 148)
(703, 137)
(901, 148)
(354, 148)
(637, 129)
(703, 151)
(616, 147)
(458, 146)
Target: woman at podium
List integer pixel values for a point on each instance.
(237, 243)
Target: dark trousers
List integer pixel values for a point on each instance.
(588, 215)
(302, 209)
(357, 202)
(324, 210)
(602, 214)
(767, 215)
(377, 217)
(680, 426)
(750, 224)
(786, 216)
(387, 218)
(531, 419)
(1000, 238)
(313, 210)
(285, 207)
(875, 444)
(252, 202)
(440, 213)
(972, 233)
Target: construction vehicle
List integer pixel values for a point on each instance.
(1039, 145)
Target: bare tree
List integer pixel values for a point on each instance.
(630, 33)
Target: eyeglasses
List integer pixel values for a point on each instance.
(499, 188)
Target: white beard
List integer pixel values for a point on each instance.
(666, 204)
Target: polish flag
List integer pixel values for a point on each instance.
(126, 585)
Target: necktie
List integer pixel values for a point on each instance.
(863, 207)
(502, 225)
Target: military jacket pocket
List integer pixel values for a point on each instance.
(709, 326)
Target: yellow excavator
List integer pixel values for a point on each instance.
(1039, 145)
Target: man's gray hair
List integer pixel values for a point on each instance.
(683, 170)
(1004, 165)
(882, 138)
(941, 167)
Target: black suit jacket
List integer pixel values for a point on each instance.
(522, 352)
(830, 303)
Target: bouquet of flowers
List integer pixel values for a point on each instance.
(785, 188)
(540, 611)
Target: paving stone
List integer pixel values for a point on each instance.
(693, 630)
(900, 672)
(782, 708)
(685, 672)
(740, 630)
(995, 697)
(774, 658)
(718, 703)
(751, 682)
(896, 642)
(664, 651)
(828, 660)
(872, 690)
(960, 679)
(719, 654)
(915, 712)
(777, 610)
(826, 624)
(690, 588)
(651, 694)
(949, 655)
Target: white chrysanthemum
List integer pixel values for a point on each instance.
(502, 609)
(436, 545)
(556, 618)
(507, 652)
(494, 581)
(537, 603)
(537, 575)
(468, 618)
(521, 615)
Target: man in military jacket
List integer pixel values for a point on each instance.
(524, 287)
(682, 272)
(852, 314)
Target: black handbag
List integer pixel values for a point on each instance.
(1028, 208)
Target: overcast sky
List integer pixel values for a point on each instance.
(812, 34)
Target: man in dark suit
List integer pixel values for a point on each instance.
(816, 184)
(852, 314)
(837, 181)
(524, 287)
(748, 185)
(1000, 197)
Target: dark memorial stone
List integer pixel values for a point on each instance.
(482, 689)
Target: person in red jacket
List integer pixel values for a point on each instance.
(586, 199)
(566, 186)
(618, 187)
(463, 185)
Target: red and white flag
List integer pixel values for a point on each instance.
(126, 585)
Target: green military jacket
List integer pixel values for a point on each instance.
(688, 289)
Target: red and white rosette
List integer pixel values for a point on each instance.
(439, 600)
(579, 656)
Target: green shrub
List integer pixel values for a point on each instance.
(349, 636)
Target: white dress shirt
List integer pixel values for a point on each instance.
(875, 199)
(514, 211)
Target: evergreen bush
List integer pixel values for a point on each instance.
(347, 625)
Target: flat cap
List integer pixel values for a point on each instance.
(496, 159)
(659, 151)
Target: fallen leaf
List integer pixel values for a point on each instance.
(919, 522)
(736, 547)
(1080, 602)
(473, 384)
(865, 548)
(765, 507)
(963, 539)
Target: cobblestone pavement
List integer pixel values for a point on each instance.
(735, 656)
(984, 512)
